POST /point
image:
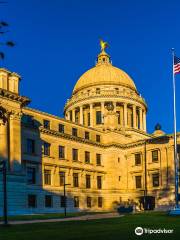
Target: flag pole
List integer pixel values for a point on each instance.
(175, 138)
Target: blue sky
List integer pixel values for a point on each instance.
(57, 41)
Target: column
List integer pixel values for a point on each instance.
(140, 118)
(102, 112)
(114, 104)
(144, 120)
(125, 114)
(81, 114)
(3, 141)
(15, 142)
(73, 115)
(134, 117)
(68, 115)
(91, 115)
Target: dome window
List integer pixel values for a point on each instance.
(98, 91)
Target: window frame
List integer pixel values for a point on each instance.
(33, 179)
(75, 180)
(47, 177)
(75, 154)
(136, 160)
(99, 182)
(74, 132)
(153, 180)
(61, 128)
(48, 201)
(155, 159)
(136, 181)
(61, 151)
(46, 124)
(29, 201)
(98, 117)
(30, 146)
(98, 158)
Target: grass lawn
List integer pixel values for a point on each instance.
(106, 229)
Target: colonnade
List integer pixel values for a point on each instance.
(130, 114)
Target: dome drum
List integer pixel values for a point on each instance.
(102, 84)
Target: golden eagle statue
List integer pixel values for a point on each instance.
(103, 45)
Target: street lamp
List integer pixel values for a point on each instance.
(3, 169)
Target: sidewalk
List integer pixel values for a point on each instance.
(79, 218)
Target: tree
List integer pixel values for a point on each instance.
(3, 30)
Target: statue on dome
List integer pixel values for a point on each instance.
(103, 45)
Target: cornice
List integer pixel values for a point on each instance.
(14, 97)
(156, 140)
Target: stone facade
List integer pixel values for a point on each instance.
(101, 149)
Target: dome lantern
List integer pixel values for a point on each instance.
(103, 57)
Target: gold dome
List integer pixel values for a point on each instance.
(104, 74)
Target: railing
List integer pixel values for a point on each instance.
(109, 93)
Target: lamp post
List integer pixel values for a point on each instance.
(4, 171)
(65, 184)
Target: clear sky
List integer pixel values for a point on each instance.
(57, 41)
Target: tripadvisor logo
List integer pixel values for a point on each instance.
(139, 231)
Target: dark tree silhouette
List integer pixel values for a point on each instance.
(3, 31)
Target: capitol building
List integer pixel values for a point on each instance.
(101, 149)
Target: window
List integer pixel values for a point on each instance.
(98, 138)
(61, 152)
(61, 128)
(119, 178)
(75, 154)
(89, 119)
(98, 91)
(98, 117)
(32, 201)
(47, 177)
(31, 175)
(76, 201)
(70, 115)
(88, 181)
(138, 181)
(100, 202)
(89, 202)
(87, 135)
(137, 159)
(74, 132)
(155, 156)
(61, 178)
(30, 146)
(87, 157)
(75, 180)
(48, 201)
(98, 159)
(99, 182)
(47, 148)
(28, 120)
(117, 90)
(119, 118)
(155, 179)
(46, 124)
(63, 201)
